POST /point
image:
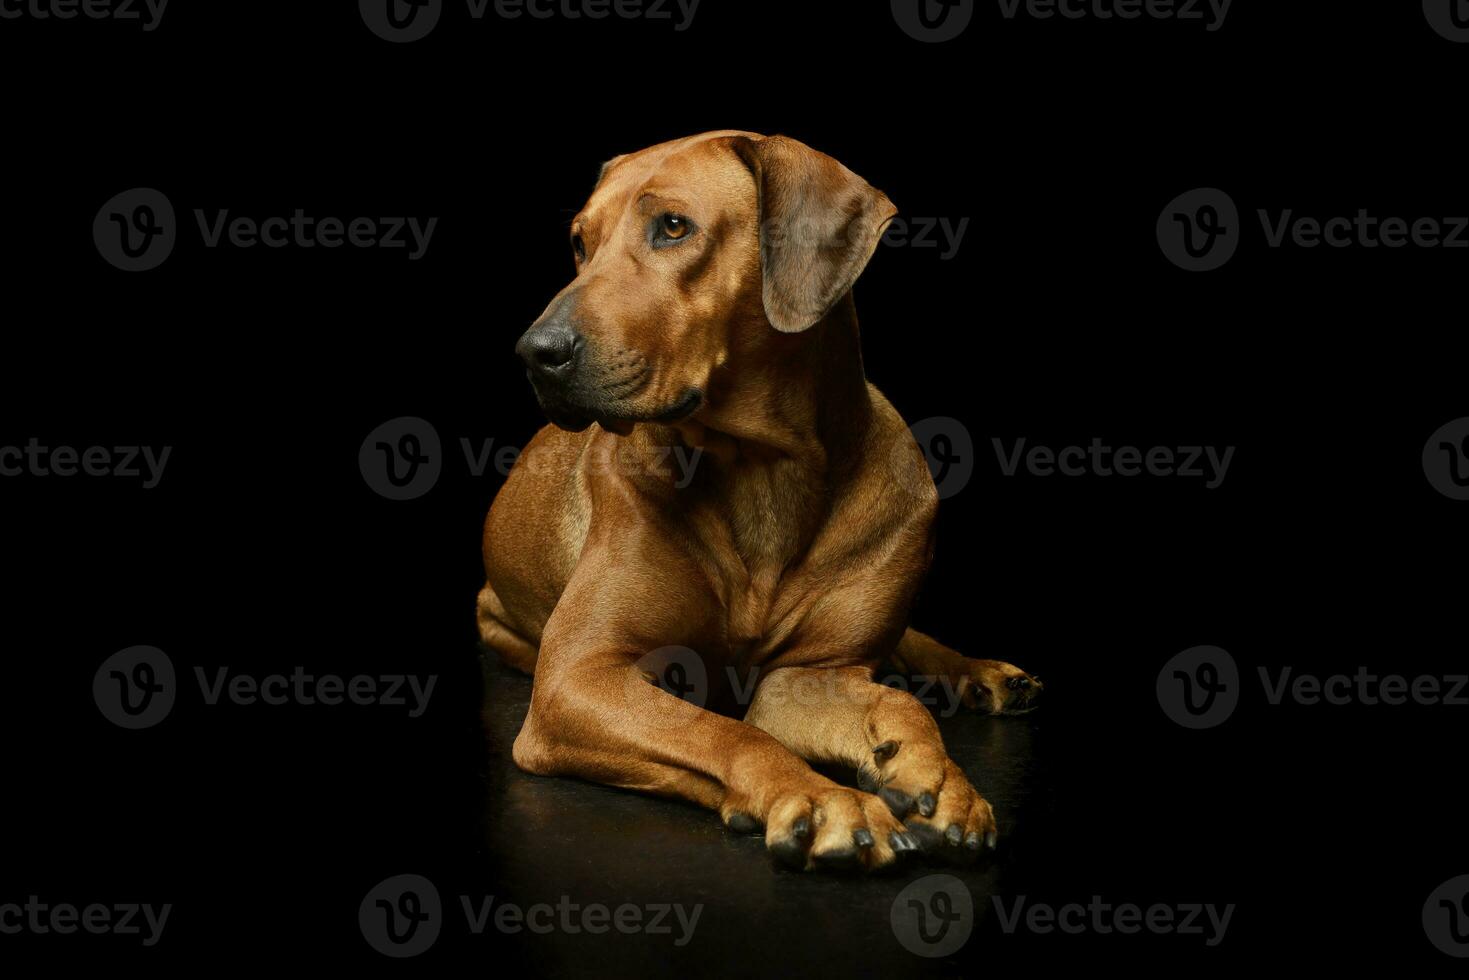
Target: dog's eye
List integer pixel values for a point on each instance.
(671, 228)
(579, 247)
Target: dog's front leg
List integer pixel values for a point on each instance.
(839, 715)
(595, 716)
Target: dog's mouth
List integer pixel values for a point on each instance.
(615, 417)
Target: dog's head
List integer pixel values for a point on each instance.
(687, 252)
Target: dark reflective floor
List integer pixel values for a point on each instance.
(1322, 829)
(600, 845)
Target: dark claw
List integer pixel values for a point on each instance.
(927, 804)
(862, 837)
(954, 834)
(902, 842)
(801, 828)
(790, 852)
(972, 841)
(898, 801)
(742, 823)
(885, 751)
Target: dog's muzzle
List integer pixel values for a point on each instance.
(576, 386)
(552, 352)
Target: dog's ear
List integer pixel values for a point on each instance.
(819, 225)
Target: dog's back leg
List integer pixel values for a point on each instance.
(514, 650)
(991, 686)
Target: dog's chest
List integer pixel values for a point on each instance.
(758, 529)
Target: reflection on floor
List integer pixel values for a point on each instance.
(569, 843)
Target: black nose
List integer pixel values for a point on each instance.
(548, 350)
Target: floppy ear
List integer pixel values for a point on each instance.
(819, 225)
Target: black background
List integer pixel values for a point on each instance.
(1059, 320)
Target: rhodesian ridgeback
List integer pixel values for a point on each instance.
(712, 314)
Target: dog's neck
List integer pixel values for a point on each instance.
(797, 395)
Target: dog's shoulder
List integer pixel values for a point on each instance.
(889, 496)
(894, 460)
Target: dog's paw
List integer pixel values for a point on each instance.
(994, 687)
(942, 811)
(829, 828)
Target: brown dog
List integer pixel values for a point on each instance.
(712, 313)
